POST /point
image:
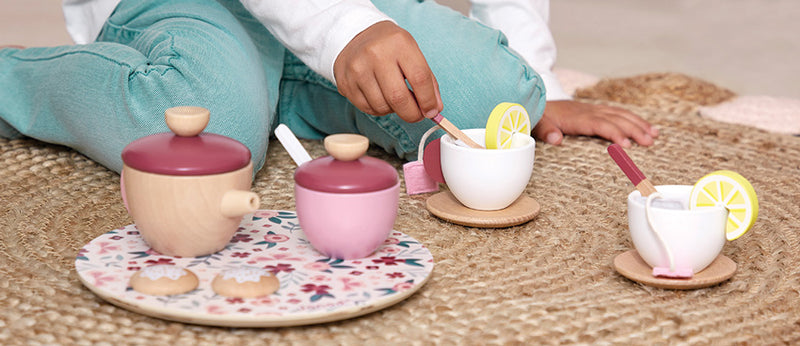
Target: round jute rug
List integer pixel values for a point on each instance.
(548, 281)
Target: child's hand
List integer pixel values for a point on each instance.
(371, 71)
(576, 118)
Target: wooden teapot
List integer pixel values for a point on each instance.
(187, 191)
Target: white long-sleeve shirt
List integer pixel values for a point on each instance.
(525, 24)
(304, 27)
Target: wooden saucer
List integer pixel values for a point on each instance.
(445, 206)
(633, 267)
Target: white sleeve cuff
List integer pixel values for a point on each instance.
(84, 19)
(316, 31)
(555, 91)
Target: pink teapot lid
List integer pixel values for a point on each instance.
(347, 169)
(185, 150)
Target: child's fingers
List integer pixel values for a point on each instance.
(630, 116)
(371, 89)
(546, 130)
(396, 93)
(634, 127)
(360, 101)
(612, 123)
(620, 129)
(363, 93)
(439, 104)
(612, 127)
(368, 73)
(608, 130)
(423, 83)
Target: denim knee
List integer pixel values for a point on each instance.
(200, 63)
(98, 97)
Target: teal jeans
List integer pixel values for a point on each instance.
(152, 55)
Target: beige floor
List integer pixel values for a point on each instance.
(749, 46)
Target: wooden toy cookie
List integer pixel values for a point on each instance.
(164, 280)
(245, 282)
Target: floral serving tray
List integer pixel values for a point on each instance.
(313, 288)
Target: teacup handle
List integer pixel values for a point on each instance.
(652, 225)
(422, 140)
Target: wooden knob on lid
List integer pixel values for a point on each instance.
(187, 121)
(347, 169)
(346, 146)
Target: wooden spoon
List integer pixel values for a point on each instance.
(629, 168)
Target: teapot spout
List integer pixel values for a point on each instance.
(237, 203)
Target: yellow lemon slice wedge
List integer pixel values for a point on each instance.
(732, 191)
(505, 120)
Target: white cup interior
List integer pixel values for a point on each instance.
(520, 141)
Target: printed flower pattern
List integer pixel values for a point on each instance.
(311, 283)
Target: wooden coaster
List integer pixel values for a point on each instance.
(633, 267)
(445, 206)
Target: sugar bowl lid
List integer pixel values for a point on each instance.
(347, 169)
(185, 150)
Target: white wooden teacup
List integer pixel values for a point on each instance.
(487, 179)
(676, 240)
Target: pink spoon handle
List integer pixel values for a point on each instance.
(629, 168)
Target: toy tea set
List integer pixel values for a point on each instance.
(202, 252)
(679, 230)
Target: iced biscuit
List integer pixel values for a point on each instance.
(163, 280)
(245, 282)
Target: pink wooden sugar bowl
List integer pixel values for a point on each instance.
(187, 191)
(346, 202)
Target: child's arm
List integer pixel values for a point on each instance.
(357, 47)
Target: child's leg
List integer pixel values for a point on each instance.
(474, 68)
(150, 56)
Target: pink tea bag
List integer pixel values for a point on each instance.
(417, 180)
(416, 174)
